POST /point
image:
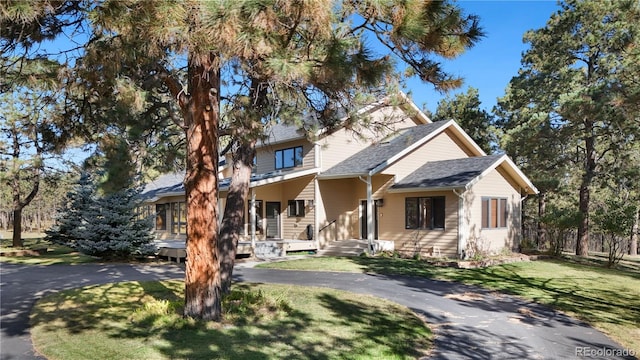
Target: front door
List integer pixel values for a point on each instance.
(273, 220)
(363, 220)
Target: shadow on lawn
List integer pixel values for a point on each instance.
(102, 310)
(594, 304)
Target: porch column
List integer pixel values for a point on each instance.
(462, 224)
(252, 211)
(370, 229)
(316, 217)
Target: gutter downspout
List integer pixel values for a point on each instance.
(462, 228)
(369, 213)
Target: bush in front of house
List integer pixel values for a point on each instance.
(106, 226)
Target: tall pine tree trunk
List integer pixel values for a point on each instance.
(201, 114)
(582, 243)
(19, 204)
(248, 129)
(542, 227)
(232, 221)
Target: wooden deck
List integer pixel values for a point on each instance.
(174, 250)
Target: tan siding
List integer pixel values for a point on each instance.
(295, 227)
(266, 156)
(409, 242)
(339, 146)
(442, 147)
(494, 185)
(339, 203)
(344, 143)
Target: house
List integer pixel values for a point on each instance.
(418, 187)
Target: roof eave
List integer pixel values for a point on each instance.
(340, 176)
(278, 178)
(423, 189)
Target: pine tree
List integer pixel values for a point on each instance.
(106, 226)
(579, 74)
(72, 220)
(465, 109)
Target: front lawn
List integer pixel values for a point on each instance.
(607, 299)
(37, 251)
(142, 320)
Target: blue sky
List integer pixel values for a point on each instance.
(490, 65)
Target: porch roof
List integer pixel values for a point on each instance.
(380, 155)
(172, 184)
(460, 174)
(270, 178)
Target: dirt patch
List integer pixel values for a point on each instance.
(467, 296)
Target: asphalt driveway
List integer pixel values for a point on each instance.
(470, 323)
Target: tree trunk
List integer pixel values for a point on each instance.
(582, 243)
(542, 227)
(234, 210)
(201, 114)
(633, 243)
(248, 129)
(17, 228)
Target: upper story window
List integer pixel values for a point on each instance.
(289, 157)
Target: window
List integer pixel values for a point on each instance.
(288, 158)
(178, 218)
(295, 208)
(424, 212)
(161, 216)
(494, 213)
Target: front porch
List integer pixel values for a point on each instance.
(263, 248)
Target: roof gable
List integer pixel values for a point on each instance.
(377, 155)
(455, 173)
(281, 132)
(460, 173)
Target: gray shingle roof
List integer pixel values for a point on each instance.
(173, 184)
(165, 184)
(375, 155)
(447, 173)
(282, 132)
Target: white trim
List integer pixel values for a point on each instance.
(340, 176)
(278, 178)
(462, 225)
(469, 139)
(163, 195)
(421, 115)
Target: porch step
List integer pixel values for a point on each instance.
(344, 248)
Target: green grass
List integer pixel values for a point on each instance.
(141, 320)
(54, 254)
(607, 299)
